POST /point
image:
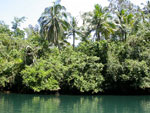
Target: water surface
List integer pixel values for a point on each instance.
(18, 103)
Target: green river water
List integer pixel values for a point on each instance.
(22, 103)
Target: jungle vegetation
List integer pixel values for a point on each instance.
(113, 53)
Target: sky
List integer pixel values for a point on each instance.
(32, 9)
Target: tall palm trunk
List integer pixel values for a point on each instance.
(98, 33)
(74, 36)
(125, 34)
(99, 37)
(122, 35)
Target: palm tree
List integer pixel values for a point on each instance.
(54, 23)
(74, 30)
(99, 22)
(125, 23)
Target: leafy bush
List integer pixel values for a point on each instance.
(11, 60)
(82, 72)
(45, 74)
(128, 65)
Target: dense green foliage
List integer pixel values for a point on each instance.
(43, 75)
(113, 53)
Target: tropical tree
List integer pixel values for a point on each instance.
(15, 26)
(118, 5)
(4, 29)
(54, 23)
(125, 23)
(73, 30)
(145, 12)
(32, 31)
(99, 22)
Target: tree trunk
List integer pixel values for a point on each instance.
(122, 33)
(74, 36)
(98, 37)
(125, 34)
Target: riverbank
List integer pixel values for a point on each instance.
(112, 92)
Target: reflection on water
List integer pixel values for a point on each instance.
(17, 103)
